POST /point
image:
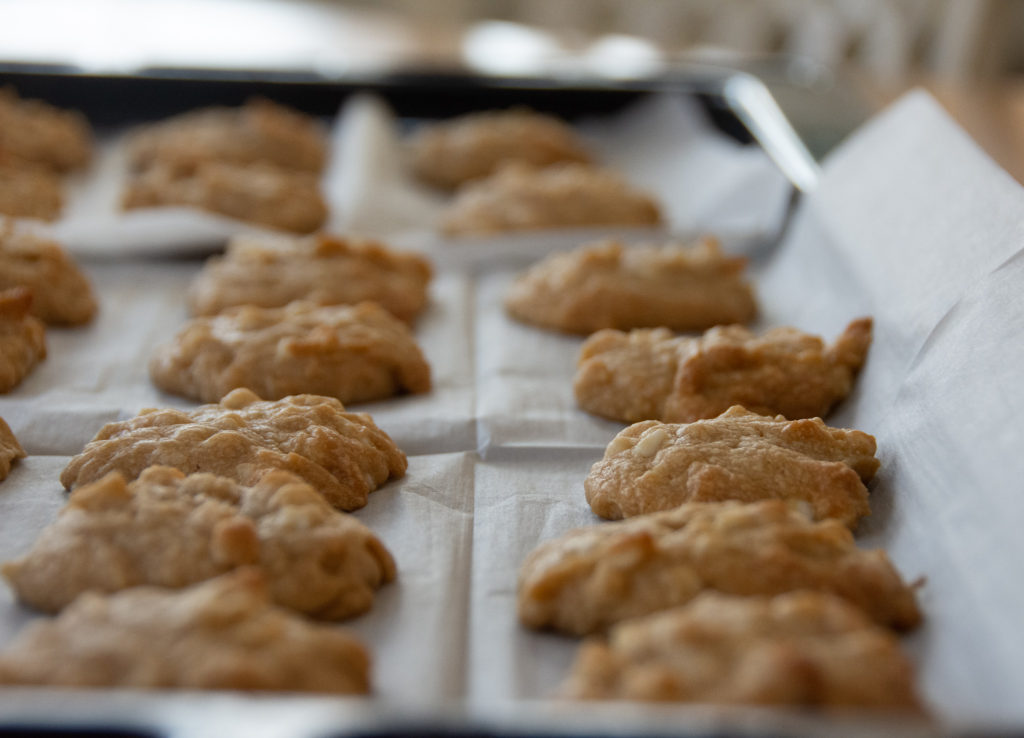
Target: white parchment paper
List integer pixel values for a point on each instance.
(912, 225)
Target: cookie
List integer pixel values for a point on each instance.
(260, 193)
(801, 649)
(453, 152)
(38, 134)
(259, 132)
(740, 455)
(650, 374)
(172, 530)
(344, 456)
(61, 293)
(594, 577)
(610, 285)
(10, 449)
(220, 634)
(30, 192)
(519, 198)
(355, 353)
(22, 337)
(327, 270)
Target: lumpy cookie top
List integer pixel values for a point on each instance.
(800, 649)
(611, 285)
(61, 293)
(592, 578)
(519, 198)
(35, 133)
(450, 153)
(22, 337)
(740, 455)
(221, 634)
(343, 455)
(650, 374)
(172, 530)
(322, 269)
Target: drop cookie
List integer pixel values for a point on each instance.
(520, 198)
(344, 456)
(610, 285)
(326, 270)
(651, 374)
(171, 530)
(10, 449)
(37, 134)
(806, 649)
(22, 337)
(221, 634)
(592, 578)
(61, 293)
(740, 455)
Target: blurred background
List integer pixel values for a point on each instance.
(832, 61)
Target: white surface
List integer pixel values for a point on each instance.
(912, 224)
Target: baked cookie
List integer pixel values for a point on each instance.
(355, 353)
(610, 285)
(344, 456)
(519, 198)
(10, 449)
(650, 374)
(594, 577)
(261, 193)
(22, 337)
(802, 649)
(170, 530)
(259, 132)
(740, 455)
(452, 152)
(326, 270)
(37, 133)
(29, 192)
(61, 293)
(220, 634)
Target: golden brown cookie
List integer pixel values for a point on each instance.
(519, 198)
(610, 285)
(323, 269)
(37, 133)
(650, 374)
(29, 192)
(259, 132)
(22, 337)
(61, 293)
(344, 456)
(261, 193)
(452, 152)
(801, 649)
(170, 530)
(355, 353)
(740, 455)
(592, 578)
(220, 634)
(10, 449)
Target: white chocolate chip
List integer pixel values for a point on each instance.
(651, 442)
(619, 444)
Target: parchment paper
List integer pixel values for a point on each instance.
(912, 225)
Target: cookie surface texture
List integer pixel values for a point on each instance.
(520, 198)
(452, 152)
(22, 337)
(343, 455)
(322, 269)
(220, 634)
(259, 132)
(266, 194)
(594, 577)
(610, 285)
(800, 649)
(10, 449)
(61, 293)
(171, 530)
(37, 134)
(653, 466)
(651, 374)
(356, 354)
